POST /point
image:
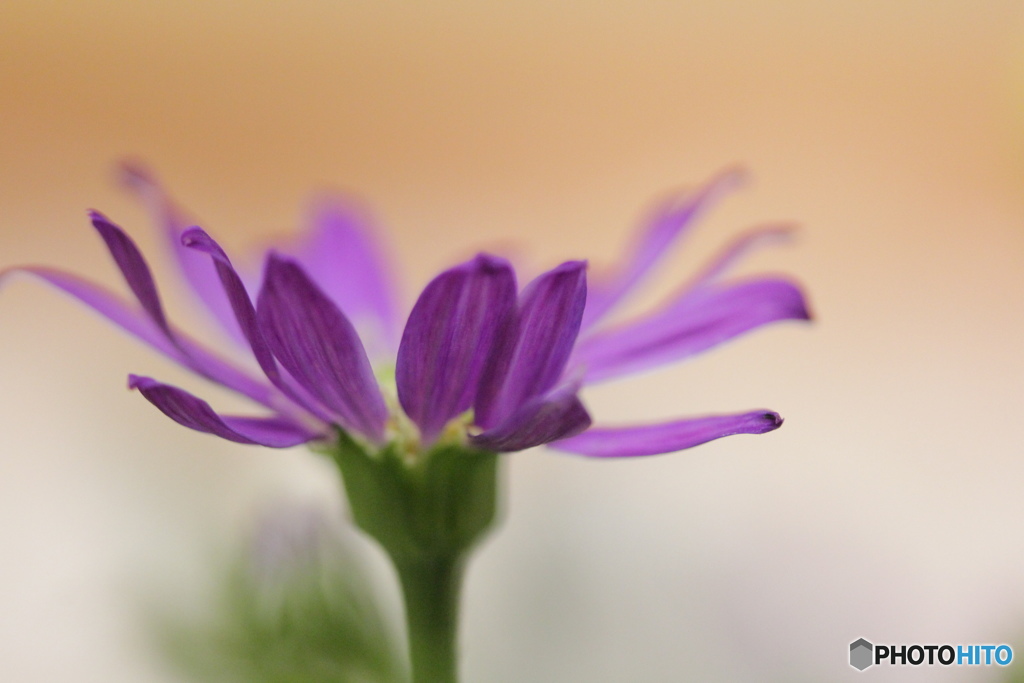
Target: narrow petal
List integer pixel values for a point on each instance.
(738, 249)
(195, 413)
(243, 311)
(112, 307)
(319, 347)
(537, 422)
(197, 270)
(245, 314)
(448, 340)
(621, 442)
(670, 222)
(141, 325)
(133, 266)
(548, 320)
(343, 257)
(684, 328)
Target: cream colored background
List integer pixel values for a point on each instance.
(889, 506)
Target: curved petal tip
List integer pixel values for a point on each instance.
(134, 174)
(772, 421)
(198, 239)
(667, 437)
(194, 236)
(98, 217)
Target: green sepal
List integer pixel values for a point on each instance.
(435, 505)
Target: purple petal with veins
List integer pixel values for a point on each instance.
(245, 313)
(620, 442)
(536, 422)
(319, 347)
(134, 268)
(241, 305)
(195, 413)
(547, 321)
(448, 340)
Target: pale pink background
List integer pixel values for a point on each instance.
(889, 506)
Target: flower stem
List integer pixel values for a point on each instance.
(427, 513)
(431, 590)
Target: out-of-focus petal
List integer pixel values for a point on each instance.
(195, 413)
(448, 340)
(319, 347)
(112, 307)
(343, 257)
(738, 249)
(547, 321)
(538, 421)
(197, 270)
(133, 266)
(621, 442)
(669, 223)
(699, 321)
(141, 325)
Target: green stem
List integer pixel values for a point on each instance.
(427, 513)
(431, 590)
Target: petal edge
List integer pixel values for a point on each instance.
(559, 415)
(318, 346)
(667, 437)
(195, 413)
(448, 340)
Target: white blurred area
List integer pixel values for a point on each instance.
(888, 506)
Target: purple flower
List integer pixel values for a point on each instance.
(479, 360)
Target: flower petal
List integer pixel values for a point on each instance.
(316, 343)
(693, 324)
(547, 322)
(670, 222)
(245, 314)
(539, 421)
(342, 256)
(195, 413)
(134, 268)
(139, 324)
(238, 298)
(448, 340)
(619, 442)
(738, 249)
(196, 270)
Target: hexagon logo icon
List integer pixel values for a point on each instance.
(860, 654)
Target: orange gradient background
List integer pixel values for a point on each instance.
(890, 504)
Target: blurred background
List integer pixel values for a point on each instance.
(888, 507)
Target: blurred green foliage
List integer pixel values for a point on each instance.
(294, 606)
